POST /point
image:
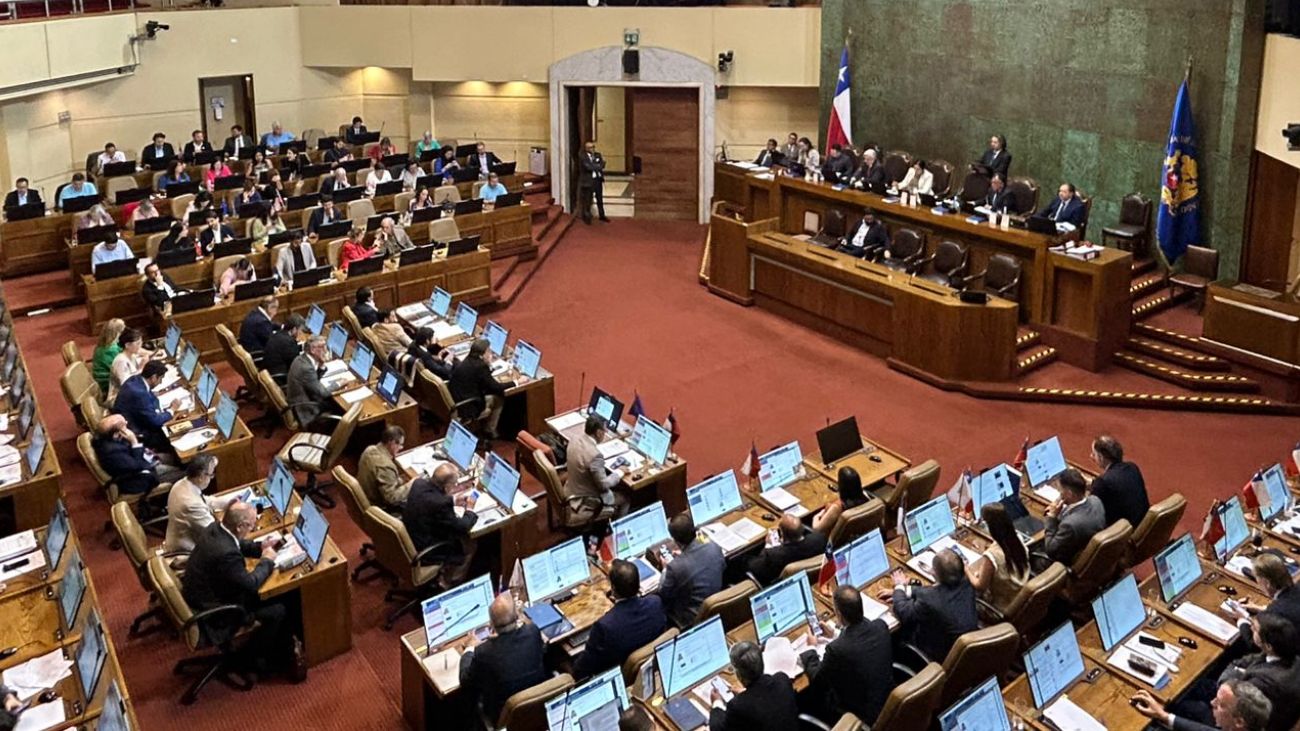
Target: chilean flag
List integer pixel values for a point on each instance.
(840, 129)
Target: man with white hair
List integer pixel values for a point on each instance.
(392, 239)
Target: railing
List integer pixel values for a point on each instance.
(38, 9)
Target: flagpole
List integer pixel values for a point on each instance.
(1187, 70)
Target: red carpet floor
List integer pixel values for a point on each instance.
(620, 304)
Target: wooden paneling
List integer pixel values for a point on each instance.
(666, 137)
(1270, 221)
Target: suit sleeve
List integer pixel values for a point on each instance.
(488, 384)
(603, 477)
(236, 575)
(668, 586)
(1057, 535)
(718, 719)
(906, 608)
(761, 567)
(1183, 724)
(595, 653)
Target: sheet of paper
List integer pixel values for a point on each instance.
(726, 539)
(172, 375)
(37, 674)
(420, 459)
(1239, 565)
(1206, 621)
(411, 310)
(1067, 715)
(1119, 660)
(1048, 493)
(521, 503)
(194, 439)
(356, 394)
(779, 656)
(334, 367)
(11, 473)
(873, 609)
(612, 448)
(947, 542)
(444, 669)
(780, 498)
(747, 529)
(446, 331)
(25, 564)
(8, 455)
(922, 563)
(17, 544)
(566, 421)
(39, 718)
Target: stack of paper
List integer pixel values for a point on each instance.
(1068, 716)
(356, 395)
(30, 561)
(8, 455)
(410, 311)
(947, 543)
(39, 718)
(566, 421)
(1240, 565)
(37, 674)
(1206, 621)
(1048, 493)
(612, 448)
(726, 539)
(193, 440)
(420, 460)
(779, 656)
(446, 331)
(17, 544)
(872, 609)
(780, 498)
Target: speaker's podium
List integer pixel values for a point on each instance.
(1253, 320)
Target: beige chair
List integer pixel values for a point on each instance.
(433, 396)
(912, 704)
(402, 201)
(573, 514)
(117, 184)
(332, 250)
(242, 362)
(135, 544)
(732, 604)
(220, 266)
(913, 488)
(71, 353)
(312, 135)
(358, 504)
(444, 193)
(527, 708)
(150, 506)
(92, 412)
(316, 454)
(415, 571)
(476, 187)
(1156, 529)
(975, 656)
(811, 566)
(179, 204)
(277, 401)
(153, 243)
(443, 230)
(362, 208)
(1029, 607)
(643, 655)
(1097, 565)
(856, 522)
(77, 384)
(354, 325)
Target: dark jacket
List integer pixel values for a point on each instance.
(429, 360)
(366, 314)
(472, 161)
(304, 389)
(430, 516)
(691, 578)
(144, 415)
(770, 704)
(936, 616)
(1287, 604)
(191, 149)
(280, 351)
(354, 136)
(865, 176)
(1073, 213)
(216, 575)
(998, 200)
(126, 464)
(1066, 535)
(1000, 165)
(150, 158)
(856, 673)
(593, 169)
(767, 158)
(11, 198)
(503, 666)
(156, 296)
(1279, 683)
(318, 218)
(1123, 493)
(770, 562)
(208, 237)
(472, 379)
(255, 330)
(627, 626)
(877, 238)
(335, 154)
(837, 169)
(244, 141)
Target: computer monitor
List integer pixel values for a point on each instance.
(18, 381)
(440, 302)
(113, 716)
(36, 450)
(362, 358)
(56, 535)
(527, 358)
(593, 706)
(496, 337)
(713, 497)
(1177, 567)
(337, 341)
(466, 317)
(690, 657)
(1235, 530)
(839, 440)
(555, 570)
(11, 358)
(456, 611)
(310, 531)
(72, 589)
(315, 320)
(459, 445)
(26, 415)
(1119, 611)
(1044, 461)
(279, 486)
(1053, 665)
(389, 386)
(207, 387)
(606, 407)
(862, 561)
(172, 340)
(981, 708)
(500, 480)
(1278, 494)
(781, 606)
(226, 412)
(927, 523)
(650, 439)
(636, 532)
(779, 467)
(91, 654)
(189, 361)
(990, 486)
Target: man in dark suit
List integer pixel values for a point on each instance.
(856, 673)
(430, 518)
(198, 143)
(215, 233)
(767, 703)
(935, 616)
(796, 544)
(591, 181)
(1238, 706)
(507, 662)
(364, 308)
(691, 577)
(1119, 487)
(996, 158)
(326, 213)
(870, 172)
(157, 155)
(216, 575)
(158, 288)
(283, 347)
(237, 141)
(867, 235)
(121, 455)
(838, 166)
(1274, 579)
(998, 199)
(258, 325)
(356, 132)
(137, 402)
(1272, 669)
(1066, 207)
(303, 388)
(1072, 520)
(633, 622)
(21, 195)
(340, 152)
(769, 156)
(472, 379)
(481, 161)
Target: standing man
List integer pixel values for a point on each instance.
(591, 181)
(197, 144)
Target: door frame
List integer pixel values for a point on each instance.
(249, 122)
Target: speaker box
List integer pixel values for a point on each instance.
(974, 297)
(631, 61)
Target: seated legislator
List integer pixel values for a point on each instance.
(634, 718)
(472, 380)
(377, 176)
(809, 158)
(291, 164)
(114, 249)
(998, 199)
(421, 349)
(122, 456)
(267, 222)
(382, 150)
(249, 194)
(918, 179)
(215, 233)
(282, 347)
(869, 172)
(481, 161)
(849, 488)
(410, 175)
(198, 143)
(364, 307)
(256, 165)
(143, 212)
(216, 575)
(1066, 207)
(933, 617)
(276, 137)
(389, 334)
(240, 272)
(340, 152)
(447, 163)
(1274, 579)
(158, 288)
(391, 239)
(327, 213)
(297, 256)
(77, 188)
(175, 173)
(137, 402)
(237, 141)
(1238, 706)
(179, 237)
(21, 195)
(356, 132)
(379, 474)
(838, 166)
(216, 169)
(336, 181)
(425, 144)
(1002, 570)
(189, 511)
(1272, 669)
(693, 576)
(156, 156)
(855, 674)
(98, 215)
(355, 249)
(106, 350)
(1119, 487)
(796, 544)
(492, 189)
(306, 394)
(127, 363)
(274, 194)
(510, 660)
(867, 233)
(587, 477)
(769, 156)
(790, 150)
(258, 325)
(767, 703)
(430, 517)
(109, 156)
(1072, 520)
(633, 622)
(997, 159)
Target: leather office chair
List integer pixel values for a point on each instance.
(354, 324)
(1097, 565)
(315, 453)
(179, 204)
(444, 193)
(91, 159)
(906, 249)
(76, 384)
(896, 163)
(71, 353)
(943, 171)
(362, 208)
(443, 230)
(732, 604)
(116, 184)
(415, 571)
(1156, 529)
(433, 396)
(1029, 607)
(974, 187)
(1001, 276)
(224, 662)
(1133, 231)
(914, 486)
(527, 708)
(135, 545)
(58, 190)
(1087, 215)
(947, 265)
(402, 201)
(149, 506)
(1200, 267)
(643, 655)
(404, 363)
(476, 187)
(277, 401)
(975, 656)
(812, 223)
(912, 704)
(368, 337)
(219, 267)
(311, 136)
(833, 229)
(847, 722)
(1024, 195)
(573, 514)
(92, 412)
(856, 522)
(358, 504)
(242, 362)
(332, 249)
(525, 444)
(810, 566)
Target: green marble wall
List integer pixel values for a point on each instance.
(1082, 89)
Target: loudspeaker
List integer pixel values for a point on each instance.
(631, 62)
(974, 297)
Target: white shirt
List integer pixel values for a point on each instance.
(923, 183)
(373, 180)
(105, 158)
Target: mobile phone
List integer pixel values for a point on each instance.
(1150, 641)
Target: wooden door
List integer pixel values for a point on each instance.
(1270, 222)
(665, 143)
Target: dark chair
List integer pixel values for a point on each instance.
(974, 188)
(942, 170)
(1082, 231)
(906, 250)
(947, 265)
(896, 164)
(1133, 232)
(833, 229)
(1001, 276)
(1024, 195)
(1200, 267)
(54, 202)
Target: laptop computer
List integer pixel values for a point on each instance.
(299, 202)
(34, 209)
(369, 265)
(474, 205)
(397, 159)
(326, 143)
(115, 269)
(1041, 225)
(77, 204)
(333, 230)
(118, 169)
(392, 187)
(424, 215)
(507, 200)
(154, 225)
(233, 247)
(130, 195)
(229, 182)
(284, 237)
(190, 301)
(295, 145)
(188, 187)
(205, 157)
(418, 255)
(96, 234)
(174, 258)
(839, 440)
(312, 277)
(255, 289)
(463, 245)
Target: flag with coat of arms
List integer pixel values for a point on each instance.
(670, 423)
(750, 468)
(1178, 219)
(1212, 530)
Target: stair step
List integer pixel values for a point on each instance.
(1138, 267)
(1188, 402)
(1146, 284)
(508, 288)
(1176, 355)
(1036, 357)
(1191, 381)
(1172, 337)
(1153, 303)
(1026, 338)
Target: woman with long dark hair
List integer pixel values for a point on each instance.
(1003, 568)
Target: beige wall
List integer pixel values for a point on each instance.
(611, 126)
(749, 116)
(510, 117)
(1279, 97)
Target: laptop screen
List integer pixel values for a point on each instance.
(466, 318)
(337, 341)
(928, 523)
(981, 708)
(113, 717)
(226, 412)
(1177, 567)
(606, 407)
(315, 320)
(1235, 530)
(207, 386)
(456, 611)
(990, 486)
(638, 531)
(692, 656)
(362, 359)
(56, 535)
(1278, 495)
(36, 450)
(172, 341)
(440, 302)
(189, 361)
(527, 358)
(1119, 611)
(500, 480)
(781, 606)
(71, 591)
(1044, 461)
(714, 497)
(1053, 665)
(779, 467)
(91, 654)
(593, 706)
(496, 337)
(556, 569)
(839, 440)
(650, 439)
(862, 561)
(460, 444)
(279, 486)
(389, 386)
(310, 530)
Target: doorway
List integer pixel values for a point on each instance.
(227, 101)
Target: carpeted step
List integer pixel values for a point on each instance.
(1182, 357)
(1026, 338)
(1138, 267)
(508, 288)
(1190, 381)
(1173, 401)
(1035, 357)
(1145, 285)
(1155, 302)
(1165, 335)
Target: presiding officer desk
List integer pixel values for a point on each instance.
(1254, 320)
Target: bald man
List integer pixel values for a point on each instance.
(430, 517)
(508, 662)
(797, 544)
(122, 456)
(392, 239)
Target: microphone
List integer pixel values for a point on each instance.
(582, 387)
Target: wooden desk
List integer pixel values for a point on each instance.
(1204, 594)
(324, 601)
(34, 496)
(874, 463)
(34, 245)
(1105, 697)
(748, 632)
(756, 513)
(1190, 666)
(666, 483)
(236, 463)
(1087, 306)
(375, 410)
(1256, 321)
